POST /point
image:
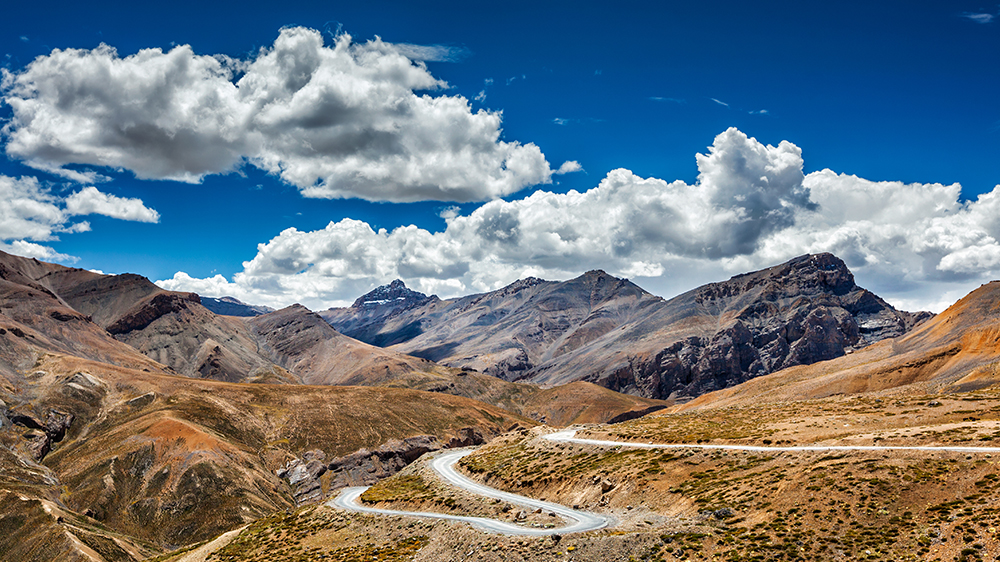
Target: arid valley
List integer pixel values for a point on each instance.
(140, 425)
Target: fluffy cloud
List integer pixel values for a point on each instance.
(38, 251)
(30, 211)
(917, 244)
(569, 167)
(347, 120)
(752, 207)
(628, 225)
(90, 201)
(162, 115)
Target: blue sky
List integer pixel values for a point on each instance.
(899, 96)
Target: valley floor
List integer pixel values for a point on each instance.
(693, 503)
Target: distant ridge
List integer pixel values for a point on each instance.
(127, 320)
(231, 306)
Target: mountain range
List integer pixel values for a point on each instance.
(609, 331)
(230, 306)
(135, 420)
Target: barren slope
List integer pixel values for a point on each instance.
(33, 319)
(504, 333)
(300, 341)
(173, 460)
(172, 329)
(175, 330)
(509, 332)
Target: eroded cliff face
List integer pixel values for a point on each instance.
(364, 467)
(801, 312)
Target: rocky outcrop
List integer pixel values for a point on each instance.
(68, 315)
(41, 435)
(145, 313)
(303, 476)
(512, 364)
(467, 437)
(365, 466)
(634, 414)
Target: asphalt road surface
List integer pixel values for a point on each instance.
(568, 436)
(444, 465)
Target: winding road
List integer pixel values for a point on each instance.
(444, 466)
(569, 436)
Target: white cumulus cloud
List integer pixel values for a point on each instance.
(27, 249)
(345, 120)
(90, 201)
(27, 210)
(627, 224)
(171, 115)
(917, 245)
(31, 213)
(569, 167)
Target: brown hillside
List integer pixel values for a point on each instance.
(173, 460)
(693, 503)
(172, 329)
(34, 320)
(302, 342)
(584, 402)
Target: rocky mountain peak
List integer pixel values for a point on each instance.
(810, 275)
(825, 270)
(603, 285)
(394, 294)
(805, 310)
(525, 283)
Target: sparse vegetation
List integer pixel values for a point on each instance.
(784, 505)
(311, 534)
(409, 487)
